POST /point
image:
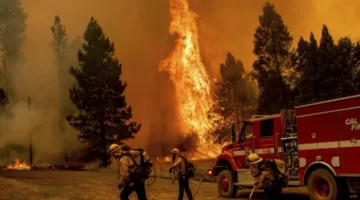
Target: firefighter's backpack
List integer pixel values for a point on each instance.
(144, 168)
(189, 167)
(282, 171)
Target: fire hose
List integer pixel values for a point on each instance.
(197, 188)
(252, 192)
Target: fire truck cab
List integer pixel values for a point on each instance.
(319, 142)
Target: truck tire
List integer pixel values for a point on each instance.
(322, 185)
(225, 184)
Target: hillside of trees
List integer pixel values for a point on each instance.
(286, 73)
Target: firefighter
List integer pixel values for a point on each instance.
(269, 175)
(179, 165)
(128, 181)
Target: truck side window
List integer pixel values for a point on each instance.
(267, 128)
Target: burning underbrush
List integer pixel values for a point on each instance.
(19, 165)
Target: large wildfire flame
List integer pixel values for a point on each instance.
(18, 165)
(188, 73)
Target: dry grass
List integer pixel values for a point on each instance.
(68, 185)
(102, 185)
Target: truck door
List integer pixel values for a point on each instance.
(269, 140)
(349, 123)
(245, 144)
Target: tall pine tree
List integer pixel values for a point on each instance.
(346, 52)
(12, 34)
(59, 46)
(329, 83)
(59, 43)
(307, 90)
(272, 47)
(356, 70)
(235, 96)
(349, 58)
(103, 115)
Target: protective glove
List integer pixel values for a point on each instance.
(120, 186)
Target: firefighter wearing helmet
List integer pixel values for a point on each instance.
(179, 166)
(127, 182)
(270, 175)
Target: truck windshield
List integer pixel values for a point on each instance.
(246, 131)
(249, 130)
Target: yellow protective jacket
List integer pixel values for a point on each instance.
(178, 166)
(262, 176)
(126, 164)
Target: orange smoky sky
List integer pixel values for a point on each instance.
(139, 29)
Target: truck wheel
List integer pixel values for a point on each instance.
(225, 184)
(322, 185)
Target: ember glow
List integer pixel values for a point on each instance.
(188, 74)
(18, 165)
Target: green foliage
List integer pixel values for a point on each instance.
(307, 89)
(235, 97)
(356, 68)
(345, 51)
(12, 35)
(329, 74)
(103, 115)
(272, 68)
(328, 71)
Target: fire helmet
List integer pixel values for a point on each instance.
(114, 148)
(253, 158)
(175, 151)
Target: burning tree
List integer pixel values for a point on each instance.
(235, 97)
(103, 116)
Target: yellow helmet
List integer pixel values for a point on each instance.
(114, 147)
(253, 158)
(175, 151)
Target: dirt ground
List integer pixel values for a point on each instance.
(72, 185)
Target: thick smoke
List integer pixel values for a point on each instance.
(139, 29)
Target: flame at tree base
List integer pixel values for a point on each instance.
(19, 165)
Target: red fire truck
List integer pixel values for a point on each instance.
(319, 142)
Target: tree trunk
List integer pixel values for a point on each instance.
(104, 158)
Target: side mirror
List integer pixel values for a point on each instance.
(233, 133)
(249, 136)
